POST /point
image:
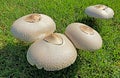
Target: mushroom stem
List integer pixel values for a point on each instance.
(54, 39)
(87, 30)
(33, 18)
(102, 7)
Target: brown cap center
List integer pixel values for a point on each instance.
(87, 30)
(33, 18)
(54, 39)
(102, 7)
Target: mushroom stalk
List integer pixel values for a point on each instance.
(54, 39)
(33, 18)
(87, 30)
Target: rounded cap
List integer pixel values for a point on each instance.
(83, 36)
(99, 11)
(55, 52)
(32, 27)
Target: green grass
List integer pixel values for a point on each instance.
(103, 63)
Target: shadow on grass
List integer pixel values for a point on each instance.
(13, 64)
(92, 22)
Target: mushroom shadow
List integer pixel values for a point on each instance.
(13, 63)
(92, 22)
(12, 59)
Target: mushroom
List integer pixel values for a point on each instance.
(83, 36)
(32, 27)
(54, 52)
(99, 11)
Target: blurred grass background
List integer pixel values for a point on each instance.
(103, 63)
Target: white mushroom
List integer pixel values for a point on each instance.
(54, 52)
(99, 11)
(83, 36)
(33, 26)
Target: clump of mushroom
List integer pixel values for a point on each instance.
(32, 27)
(83, 36)
(99, 11)
(54, 52)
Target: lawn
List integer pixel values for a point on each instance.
(103, 63)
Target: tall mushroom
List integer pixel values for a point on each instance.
(32, 27)
(83, 36)
(99, 11)
(54, 52)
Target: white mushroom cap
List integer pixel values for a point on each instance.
(83, 36)
(99, 11)
(33, 26)
(55, 52)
